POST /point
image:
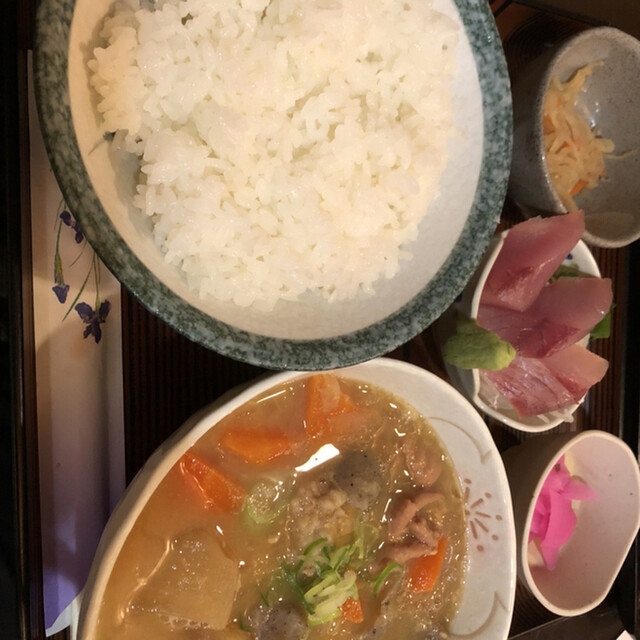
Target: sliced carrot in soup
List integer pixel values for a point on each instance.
(256, 445)
(424, 571)
(352, 611)
(217, 490)
(345, 404)
(325, 400)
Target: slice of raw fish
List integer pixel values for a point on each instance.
(531, 252)
(529, 386)
(577, 369)
(565, 311)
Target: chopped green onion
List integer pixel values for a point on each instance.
(327, 581)
(332, 593)
(313, 556)
(242, 625)
(296, 588)
(384, 574)
(341, 556)
(265, 501)
(315, 619)
(366, 535)
(339, 589)
(332, 583)
(314, 545)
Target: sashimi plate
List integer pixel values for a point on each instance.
(468, 380)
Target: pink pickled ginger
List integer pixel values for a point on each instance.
(554, 520)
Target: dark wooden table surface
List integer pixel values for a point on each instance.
(166, 377)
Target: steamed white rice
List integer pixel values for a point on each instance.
(285, 147)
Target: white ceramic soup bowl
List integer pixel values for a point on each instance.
(468, 380)
(488, 595)
(591, 559)
(310, 333)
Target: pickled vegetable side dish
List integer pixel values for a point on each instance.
(574, 148)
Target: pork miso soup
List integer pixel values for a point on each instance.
(325, 508)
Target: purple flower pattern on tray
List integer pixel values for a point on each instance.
(65, 216)
(92, 317)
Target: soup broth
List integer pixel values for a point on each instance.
(325, 508)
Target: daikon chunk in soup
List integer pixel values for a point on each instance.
(325, 508)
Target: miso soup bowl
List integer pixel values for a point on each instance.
(488, 592)
(606, 528)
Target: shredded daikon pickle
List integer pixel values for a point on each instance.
(575, 153)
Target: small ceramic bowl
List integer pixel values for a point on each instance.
(610, 101)
(309, 333)
(590, 561)
(489, 587)
(468, 380)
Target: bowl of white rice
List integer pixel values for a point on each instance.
(301, 184)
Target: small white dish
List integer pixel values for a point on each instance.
(468, 380)
(590, 561)
(489, 589)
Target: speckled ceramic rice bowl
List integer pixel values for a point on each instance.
(310, 332)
